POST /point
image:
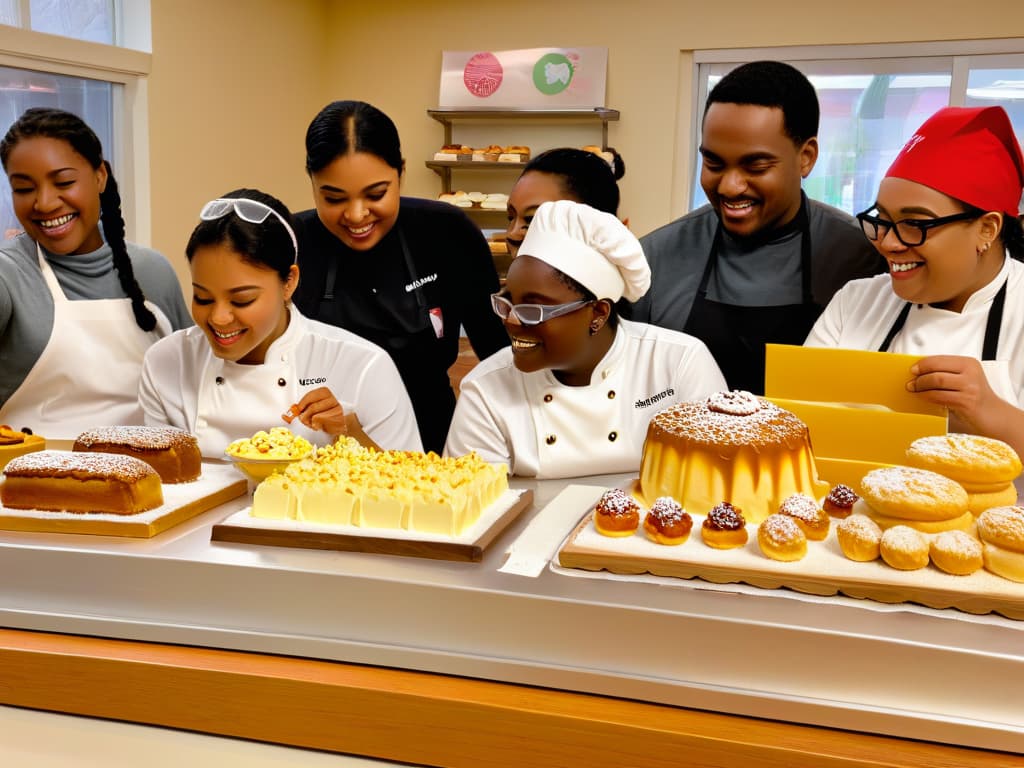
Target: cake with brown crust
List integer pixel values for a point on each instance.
(60, 481)
(173, 453)
(732, 446)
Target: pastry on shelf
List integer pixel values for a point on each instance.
(514, 153)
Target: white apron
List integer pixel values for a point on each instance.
(88, 373)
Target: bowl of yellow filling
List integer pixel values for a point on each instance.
(267, 452)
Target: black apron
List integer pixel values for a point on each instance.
(736, 335)
(409, 337)
(993, 323)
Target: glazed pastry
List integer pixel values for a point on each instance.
(667, 523)
(840, 501)
(811, 518)
(904, 548)
(780, 538)
(956, 552)
(859, 537)
(724, 527)
(616, 514)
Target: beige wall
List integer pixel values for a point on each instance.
(233, 85)
(235, 82)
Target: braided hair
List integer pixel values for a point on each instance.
(51, 123)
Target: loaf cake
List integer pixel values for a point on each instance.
(81, 482)
(346, 484)
(173, 453)
(732, 446)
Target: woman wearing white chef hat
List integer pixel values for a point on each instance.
(252, 361)
(576, 390)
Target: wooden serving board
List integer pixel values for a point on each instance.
(824, 571)
(243, 528)
(218, 484)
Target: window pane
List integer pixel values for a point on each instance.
(20, 89)
(9, 13)
(82, 19)
(865, 121)
(1002, 87)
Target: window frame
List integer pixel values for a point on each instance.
(127, 69)
(960, 56)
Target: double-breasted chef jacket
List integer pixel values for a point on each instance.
(542, 428)
(185, 385)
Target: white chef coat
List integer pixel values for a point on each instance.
(185, 385)
(861, 314)
(543, 428)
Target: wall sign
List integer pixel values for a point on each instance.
(529, 78)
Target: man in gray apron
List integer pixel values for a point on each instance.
(759, 263)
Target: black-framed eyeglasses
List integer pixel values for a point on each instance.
(910, 232)
(533, 314)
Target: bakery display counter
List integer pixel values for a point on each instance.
(654, 644)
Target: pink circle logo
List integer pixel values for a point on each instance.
(483, 74)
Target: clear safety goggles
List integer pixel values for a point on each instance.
(252, 211)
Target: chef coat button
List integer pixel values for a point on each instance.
(611, 394)
(612, 436)
(548, 398)
(281, 382)
(219, 379)
(550, 440)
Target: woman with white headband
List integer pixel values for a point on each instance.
(575, 392)
(252, 361)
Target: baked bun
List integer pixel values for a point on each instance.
(724, 527)
(173, 453)
(811, 518)
(956, 552)
(840, 501)
(1003, 526)
(859, 537)
(904, 548)
(971, 460)
(964, 522)
(913, 494)
(616, 514)
(780, 538)
(980, 501)
(667, 523)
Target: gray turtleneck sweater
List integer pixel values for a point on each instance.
(26, 306)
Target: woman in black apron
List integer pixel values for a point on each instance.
(405, 273)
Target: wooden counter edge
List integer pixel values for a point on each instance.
(417, 717)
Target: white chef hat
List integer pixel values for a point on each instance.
(592, 247)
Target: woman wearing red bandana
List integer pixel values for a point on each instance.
(947, 221)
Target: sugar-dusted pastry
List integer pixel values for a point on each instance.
(840, 501)
(1001, 531)
(780, 538)
(81, 482)
(904, 548)
(733, 446)
(172, 452)
(811, 518)
(980, 464)
(859, 538)
(616, 514)
(956, 552)
(667, 523)
(724, 527)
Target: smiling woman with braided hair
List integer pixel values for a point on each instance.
(78, 305)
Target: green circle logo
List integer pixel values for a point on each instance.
(552, 73)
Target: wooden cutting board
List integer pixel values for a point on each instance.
(243, 528)
(824, 571)
(218, 484)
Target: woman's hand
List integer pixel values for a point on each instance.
(320, 410)
(959, 383)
